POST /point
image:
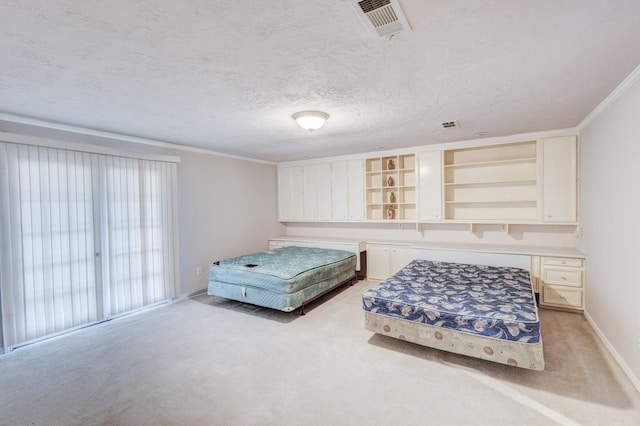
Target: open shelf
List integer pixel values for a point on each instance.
(391, 187)
(494, 182)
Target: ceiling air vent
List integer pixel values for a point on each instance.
(383, 17)
(450, 124)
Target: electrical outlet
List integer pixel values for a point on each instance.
(503, 227)
(198, 271)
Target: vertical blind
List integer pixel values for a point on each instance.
(84, 237)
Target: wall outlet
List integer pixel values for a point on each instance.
(198, 271)
(504, 227)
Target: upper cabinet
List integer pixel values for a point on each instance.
(391, 187)
(430, 185)
(526, 182)
(347, 179)
(321, 191)
(290, 191)
(317, 191)
(491, 183)
(558, 183)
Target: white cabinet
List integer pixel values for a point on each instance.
(290, 191)
(526, 182)
(430, 185)
(534, 272)
(384, 260)
(559, 179)
(347, 182)
(317, 191)
(562, 283)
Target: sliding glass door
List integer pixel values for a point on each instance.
(84, 237)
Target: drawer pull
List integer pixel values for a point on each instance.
(563, 277)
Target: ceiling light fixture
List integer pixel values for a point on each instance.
(310, 120)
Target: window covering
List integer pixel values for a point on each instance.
(85, 237)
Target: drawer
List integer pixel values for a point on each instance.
(562, 296)
(564, 277)
(562, 261)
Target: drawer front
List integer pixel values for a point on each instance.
(562, 261)
(565, 277)
(562, 296)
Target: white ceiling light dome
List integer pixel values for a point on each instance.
(310, 120)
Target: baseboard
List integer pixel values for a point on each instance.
(635, 380)
(189, 295)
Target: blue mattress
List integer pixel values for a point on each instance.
(495, 302)
(283, 270)
(284, 278)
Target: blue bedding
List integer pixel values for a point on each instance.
(496, 302)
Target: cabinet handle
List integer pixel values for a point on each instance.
(563, 277)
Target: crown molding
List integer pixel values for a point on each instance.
(119, 137)
(613, 96)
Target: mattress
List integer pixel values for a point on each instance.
(480, 311)
(284, 278)
(495, 302)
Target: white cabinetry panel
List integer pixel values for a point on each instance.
(290, 190)
(384, 260)
(317, 191)
(559, 179)
(430, 185)
(348, 189)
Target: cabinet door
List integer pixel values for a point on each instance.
(310, 196)
(347, 190)
(400, 257)
(290, 193)
(340, 193)
(317, 191)
(378, 267)
(430, 185)
(356, 189)
(559, 179)
(323, 191)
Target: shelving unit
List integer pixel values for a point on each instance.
(491, 183)
(391, 187)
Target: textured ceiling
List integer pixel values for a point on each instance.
(227, 75)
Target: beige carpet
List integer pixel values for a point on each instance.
(208, 361)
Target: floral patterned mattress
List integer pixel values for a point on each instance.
(496, 302)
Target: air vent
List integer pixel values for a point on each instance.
(384, 17)
(450, 124)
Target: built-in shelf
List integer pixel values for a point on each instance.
(494, 182)
(391, 188)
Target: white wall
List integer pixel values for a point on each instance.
(610, 203)
(227, 207)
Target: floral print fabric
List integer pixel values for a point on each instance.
(490, 301)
